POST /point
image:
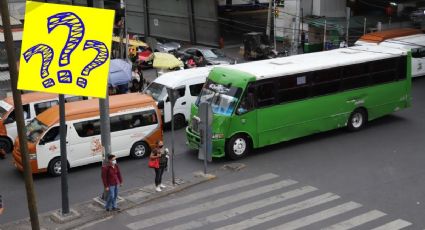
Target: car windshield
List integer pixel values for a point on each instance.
(218, 52)
(34, 130)
(222, 98)
(209, 54)
(157, 91)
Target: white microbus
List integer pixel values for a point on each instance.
(188, 82)
(404, 39)
(135, 128)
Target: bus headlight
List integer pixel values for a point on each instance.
(218, 136)
(32, 156)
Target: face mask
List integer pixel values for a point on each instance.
(114, 162)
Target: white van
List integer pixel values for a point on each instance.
(404, 39)
(33, 104)
(189, 82)
(135, 128)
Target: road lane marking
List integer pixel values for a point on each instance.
(199, 195)
(209, 205)
(356, 221)
(221, 216)
(319, 216)
(394, 225)
(281, 212)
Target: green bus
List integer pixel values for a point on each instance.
(265, 102)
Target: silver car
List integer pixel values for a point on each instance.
(212, 56)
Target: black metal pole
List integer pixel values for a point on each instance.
(19, 115)
(206, 130)
(64, 158)
(173, 99)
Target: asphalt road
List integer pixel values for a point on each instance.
(380, 167)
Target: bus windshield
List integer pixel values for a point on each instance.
(34, 130)
(223, 99)
(156, 91)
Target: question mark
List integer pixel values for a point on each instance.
(75, 34)
(100, 59)
(47, 54)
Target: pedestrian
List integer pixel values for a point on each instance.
(2, 153)
(1, 205)
(162, 154)
(135, 86)
(111, 177)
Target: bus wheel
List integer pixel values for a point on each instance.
(139, 150)
(237, 147)
(179, 121)
(357, 120)
(6, 144)
(55, 167)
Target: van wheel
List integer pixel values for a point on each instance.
(140, 150)
(357, 120)
(6, 144)
(237, 147)
(55, 167)
(179, 121)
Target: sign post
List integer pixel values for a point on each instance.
(206, 117)
(172, 96)
(64, 158)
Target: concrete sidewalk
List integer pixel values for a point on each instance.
(89, 212)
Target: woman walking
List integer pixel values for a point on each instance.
(160, 154)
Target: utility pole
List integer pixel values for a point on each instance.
(19, 115)
(324, 36)
(348, 12)
(64, 158)
(269, 19)
(297, 28)
(364, 26)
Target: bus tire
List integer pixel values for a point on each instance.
(357, 120)
(179, 121)
(54, 168)
(238, 147)
(6, 144)
(140, 150)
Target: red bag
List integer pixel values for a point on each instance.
(153, 163)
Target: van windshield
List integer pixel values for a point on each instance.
(4, 108)
(34, 130)
(157, 91)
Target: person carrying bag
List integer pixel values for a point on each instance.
(158, 160)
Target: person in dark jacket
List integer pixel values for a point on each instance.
(162, 154)
(111, 177)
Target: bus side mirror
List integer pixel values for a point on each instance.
(161, 105)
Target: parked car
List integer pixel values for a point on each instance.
(163, 45)
(208, 56)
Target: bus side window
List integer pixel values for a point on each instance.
(88, 128)
(42, 106)
(265, 94)
(418, 52)
(247, 102)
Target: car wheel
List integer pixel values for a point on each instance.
(237, 147)
(6, 144)
(140, 150)
(357, 120)
(55, 167)
(179, 121)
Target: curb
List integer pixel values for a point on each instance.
(90, 212)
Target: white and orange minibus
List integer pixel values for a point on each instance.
(135, 127)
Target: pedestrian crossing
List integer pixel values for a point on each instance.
(262, 202)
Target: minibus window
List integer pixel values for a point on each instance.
(88, 128)
(51, 135)
(41, 107)
(35, 129)
(27, 114)
(133, 120)
(3, 111)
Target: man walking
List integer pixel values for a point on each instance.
(111, 177)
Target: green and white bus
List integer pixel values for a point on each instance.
(265, 102)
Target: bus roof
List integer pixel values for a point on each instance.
(381, 36)
(27, 98)
(173, 79)
(315, 61)
(90, 108)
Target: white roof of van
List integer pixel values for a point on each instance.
(315, 61)
(173, 79)
(405, 42)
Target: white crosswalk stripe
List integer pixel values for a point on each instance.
(307, 220)
(356, 221)
(244, 209)
(210, 205)
(201, 194)
(249, 204)
(284, 211)
(394, 225)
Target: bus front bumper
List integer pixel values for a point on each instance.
(17, 161)
(193, 142)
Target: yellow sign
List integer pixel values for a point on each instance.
(66, 49)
